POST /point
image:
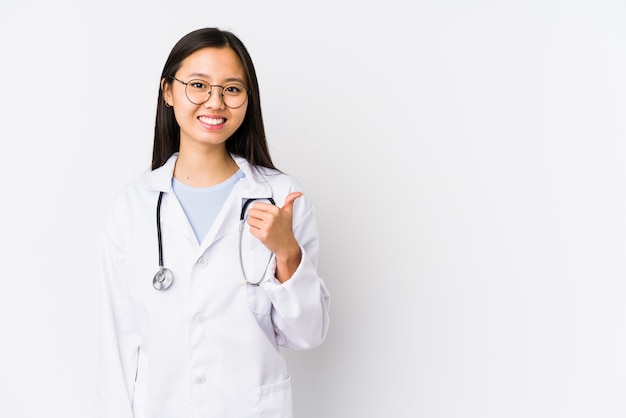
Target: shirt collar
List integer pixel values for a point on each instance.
(255, 183)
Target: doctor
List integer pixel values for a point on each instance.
(234, 244)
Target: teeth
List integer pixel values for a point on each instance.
(211, 121)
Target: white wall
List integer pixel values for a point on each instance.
(467, 159)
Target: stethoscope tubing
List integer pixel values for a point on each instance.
(159, 238)
(247, 203)
(164, 277)
(242, 219)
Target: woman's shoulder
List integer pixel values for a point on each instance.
(132, 194)
(281, 184)
(279, 179)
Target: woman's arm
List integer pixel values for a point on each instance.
(301, 304)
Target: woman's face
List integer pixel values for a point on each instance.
(211, 123)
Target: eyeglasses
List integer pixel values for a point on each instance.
(199, 91)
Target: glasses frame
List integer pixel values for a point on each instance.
(211, 91)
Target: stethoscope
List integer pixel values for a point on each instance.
(164, 277)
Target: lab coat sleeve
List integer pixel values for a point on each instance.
(300, 305)
(119, 337)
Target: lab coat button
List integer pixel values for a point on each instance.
(199, 380)
(199, 318)
(201, 261)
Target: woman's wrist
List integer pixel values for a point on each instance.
(287, 263)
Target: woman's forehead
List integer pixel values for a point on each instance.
(209, 63)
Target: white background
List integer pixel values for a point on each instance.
(467, 160)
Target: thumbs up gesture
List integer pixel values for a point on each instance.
(274, 228)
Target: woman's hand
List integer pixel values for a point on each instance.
(273, 227)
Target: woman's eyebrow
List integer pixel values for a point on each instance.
(230, 79)
(198, 75)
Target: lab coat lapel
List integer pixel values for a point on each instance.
(227, 220)
(225, 223)
(172, 213)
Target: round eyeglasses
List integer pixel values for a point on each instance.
(234, 95)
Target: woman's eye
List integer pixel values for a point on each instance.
(233, 89)
(198, 85)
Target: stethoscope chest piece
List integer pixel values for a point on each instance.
(163, 279)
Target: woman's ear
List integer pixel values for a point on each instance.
(166, 88)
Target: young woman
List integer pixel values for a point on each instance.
(233, 242)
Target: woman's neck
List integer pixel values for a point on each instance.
(204, 169)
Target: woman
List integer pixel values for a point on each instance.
(236, 274)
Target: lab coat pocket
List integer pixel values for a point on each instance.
(261, 309)
(258, 300)
(275, 400)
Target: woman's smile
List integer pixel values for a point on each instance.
(212, 122)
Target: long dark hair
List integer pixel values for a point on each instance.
(249, 140)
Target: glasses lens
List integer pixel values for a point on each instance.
(197, 91)
(233, 95)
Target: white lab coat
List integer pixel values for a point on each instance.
(209, 345)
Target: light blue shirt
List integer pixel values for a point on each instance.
(203, 204)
